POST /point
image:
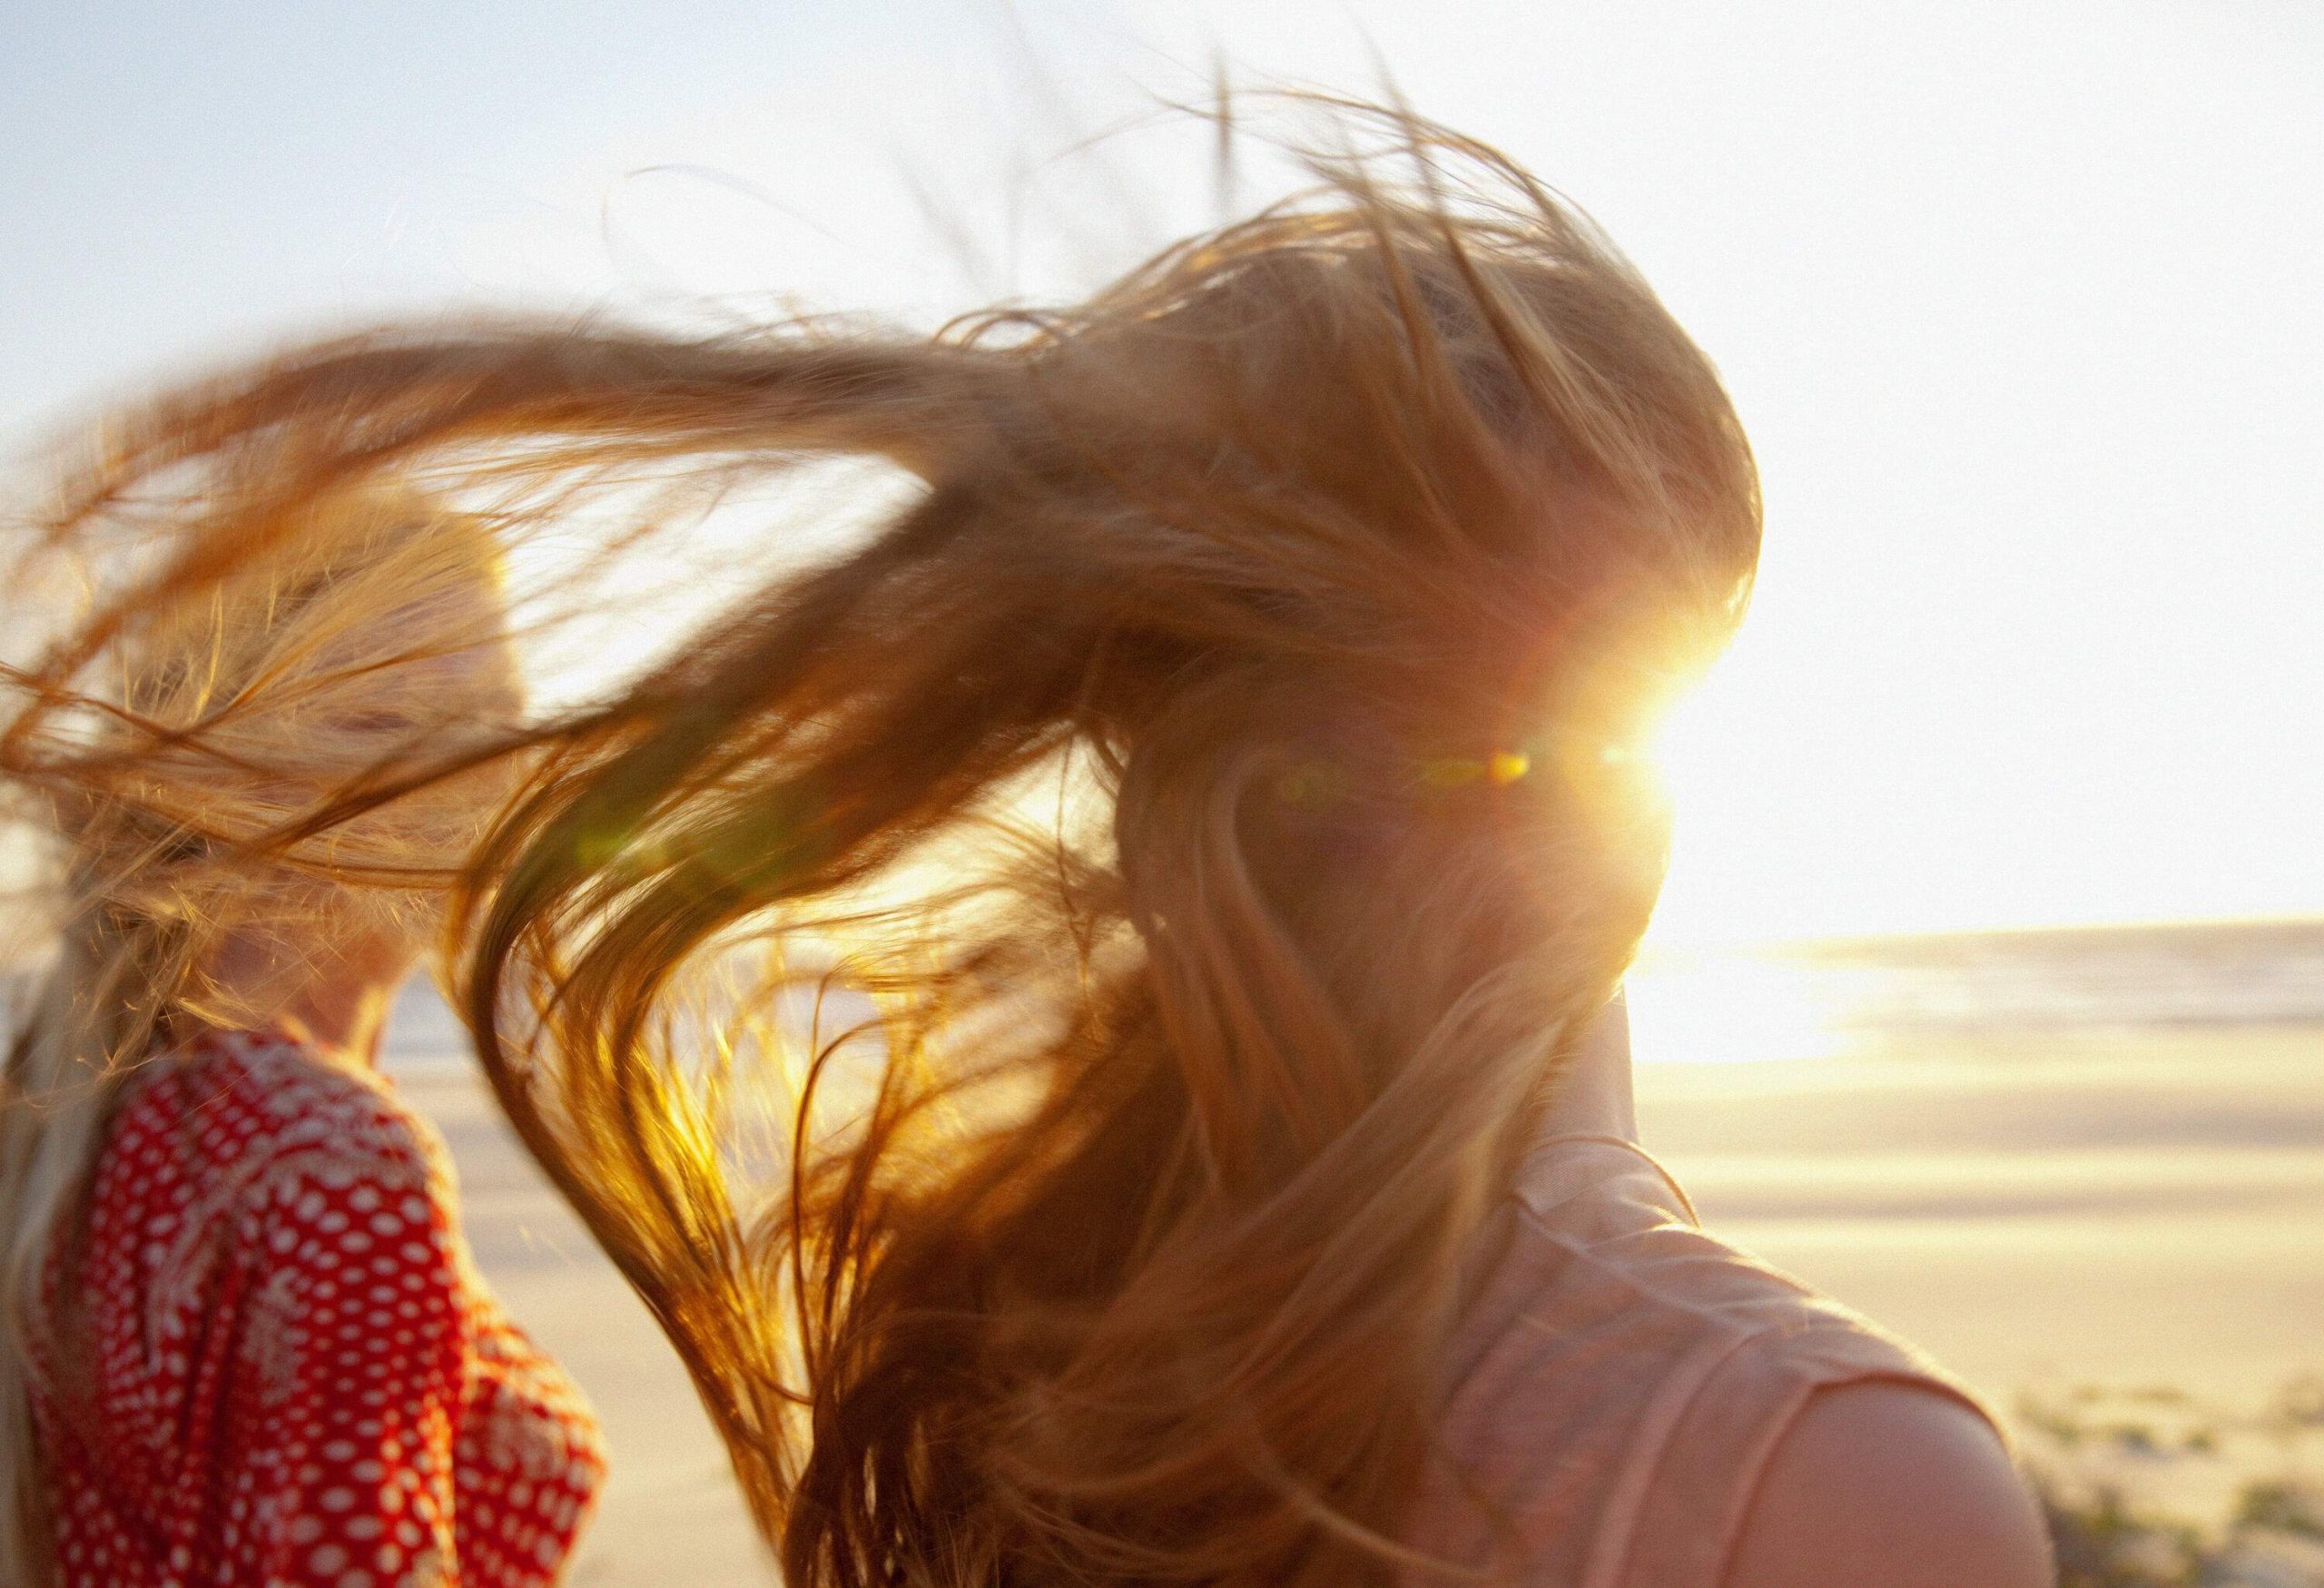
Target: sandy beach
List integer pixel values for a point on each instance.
(669, 1514)
(2138, 1209)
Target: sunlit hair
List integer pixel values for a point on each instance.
(167, 750)
(1214, 781)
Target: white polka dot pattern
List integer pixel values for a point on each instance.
(293, 1375)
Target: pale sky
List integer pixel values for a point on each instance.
(2019, 303)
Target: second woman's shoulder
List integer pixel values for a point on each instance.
(265, 1108)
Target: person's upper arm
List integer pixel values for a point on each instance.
(349, 1388)
(1883, 1484)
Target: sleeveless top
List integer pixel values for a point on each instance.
(1620, 1383)
(288, 1370)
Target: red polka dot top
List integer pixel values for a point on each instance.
(287, 1370)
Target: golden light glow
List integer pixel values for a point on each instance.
(1691, 1008)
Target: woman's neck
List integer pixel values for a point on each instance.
(1594, 1096)
(335, 997)
(347, 1019)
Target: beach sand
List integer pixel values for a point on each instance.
(2141, 1208)
(669, 1514)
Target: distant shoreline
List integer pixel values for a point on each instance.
(2285, 929)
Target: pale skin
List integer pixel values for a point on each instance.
(1875, 1485)
(335, 997)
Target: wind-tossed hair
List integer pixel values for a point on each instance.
(1150, 883)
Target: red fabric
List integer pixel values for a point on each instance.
(288, 1370)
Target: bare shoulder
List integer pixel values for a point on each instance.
(1888, 1485)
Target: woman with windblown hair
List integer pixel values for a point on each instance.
(1218, 776)
(246, 1344)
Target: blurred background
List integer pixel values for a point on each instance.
(1988, 988)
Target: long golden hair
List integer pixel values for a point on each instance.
(1213, 786)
